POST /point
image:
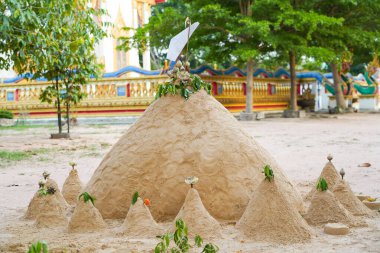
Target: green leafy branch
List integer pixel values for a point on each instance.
(268, 172)
(181, 241)
(43, 191)
(182, 82)
(87, 197)
(322, 185)
(135, 197)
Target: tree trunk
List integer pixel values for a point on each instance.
(58, 106)
(249, 87)
(340, 104)
(293, 85)
(67, 109)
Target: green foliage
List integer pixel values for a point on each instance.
(54, 39)
(182, 82)
(268, 172)
(43, 191)
(14, 155)
(39, 247)
(181, 241)
(322, 185)
(87, 197)
(135, 197)
(4, 114)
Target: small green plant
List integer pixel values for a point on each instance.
(87, 197)
(322, 185)
(135, 197)
(181, 241)
(43, 191)
(182, 82)
(45, 174)
(4, 114)
(39, 247)
(268, 172)
(72, 164)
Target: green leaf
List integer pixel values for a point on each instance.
(198, 241)
(322, 184)
(135, 197)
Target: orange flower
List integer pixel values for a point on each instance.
(147, 202)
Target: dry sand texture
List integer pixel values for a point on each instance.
(271, 217)
(347, 198)
(197, 218)
(175, 139)
(330, 174)
(51, 215)
(72, 187)
(140, 223)
(325, 208)
(86, 218)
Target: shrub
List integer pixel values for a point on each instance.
(4, 114)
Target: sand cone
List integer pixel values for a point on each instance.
(51, 215)
(139, 222)
(330, 174)
(72, 187)
(36, 206)
(270, 217)
(325, 208)
(86, 218)
(347, 198)
(173, 139)
(197, 218)
(51, 183)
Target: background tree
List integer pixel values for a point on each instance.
(53, 39)
(292, 24)
(359, 34)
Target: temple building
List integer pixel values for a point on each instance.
(123, 13)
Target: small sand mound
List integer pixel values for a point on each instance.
(197, 218)
(330, 174)
(72, 187)
(347, 198)
(325, 208)
(51, 215)
(51, 183)
(270, 217)
(139, 222)
(36, 206)
(86, 218)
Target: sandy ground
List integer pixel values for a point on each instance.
(300, 146)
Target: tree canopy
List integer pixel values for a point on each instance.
(52, 39)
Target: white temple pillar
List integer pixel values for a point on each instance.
(146, 54)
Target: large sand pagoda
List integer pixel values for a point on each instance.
(176, 138)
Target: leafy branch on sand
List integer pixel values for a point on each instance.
(268, 172)
(322, 185)
(87, 197)
(72, 164)
(181, 241)
(182, 82)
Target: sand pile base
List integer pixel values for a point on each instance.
(197, 218)
(139, 222)
(51, 183)
(72, 187)
(175, 139)
(270, 217)
(347, 198)
(325, 208)
(36, 206)
(330, 174)
(51, 215)
(86, 218)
